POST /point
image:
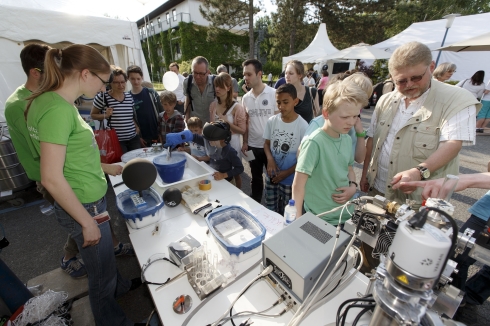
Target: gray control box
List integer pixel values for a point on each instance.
(300, 252)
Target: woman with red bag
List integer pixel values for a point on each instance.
(71, 170)
(116, 105)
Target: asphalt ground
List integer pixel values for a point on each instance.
(36, 240)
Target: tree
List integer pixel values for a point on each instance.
(230, 15)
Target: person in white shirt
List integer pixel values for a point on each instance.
(260, 105)
(269, 79)
(483, 117)
(474, 84)
(179, 91)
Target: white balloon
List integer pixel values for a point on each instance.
(170, 81)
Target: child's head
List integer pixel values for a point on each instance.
(194, 124)
(342, 104)
(286, 98)
(169, 100)
(362, 81)
(218, 133)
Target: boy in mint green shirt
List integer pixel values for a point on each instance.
(324, 176)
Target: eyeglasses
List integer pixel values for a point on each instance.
(413, 79)
(202, 74)
(119, 82)
(111, 78)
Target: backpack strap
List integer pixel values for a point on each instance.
(153, 101)
(188, 91)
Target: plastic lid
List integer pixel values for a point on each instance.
(291, 202)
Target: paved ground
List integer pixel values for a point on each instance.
(36, 241)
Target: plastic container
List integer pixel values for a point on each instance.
(170, 170)
(290, 213)
(236, 230)
(139, 217)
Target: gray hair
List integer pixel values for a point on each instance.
(199, 60)
(443, 68)
(221, 68)
(409, 55)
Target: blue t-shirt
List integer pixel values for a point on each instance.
(285, 139)
(481, 208)
(145, 114)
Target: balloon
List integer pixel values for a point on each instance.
(170, 81)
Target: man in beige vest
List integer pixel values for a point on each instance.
(417, 130)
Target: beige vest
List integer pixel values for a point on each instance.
(419, 137)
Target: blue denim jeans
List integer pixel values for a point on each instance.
(477, 287)
(104, 281)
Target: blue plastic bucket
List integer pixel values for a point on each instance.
(172, 170)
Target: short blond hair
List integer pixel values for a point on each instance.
(409, 55)
(168, 97)
(363, 81)
(194, 122)
(343, 91)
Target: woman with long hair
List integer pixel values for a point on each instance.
(227, 109)
(308, 106)
(474, 84)
(71, 170)
(444, 71)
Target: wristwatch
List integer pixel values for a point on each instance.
(361, 134)
(424, 172)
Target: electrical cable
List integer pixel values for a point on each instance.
(339, 316)
(371, 306)
(152, 260)
(359, 315)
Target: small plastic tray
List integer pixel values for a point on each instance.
(138, 217)
(235, 229)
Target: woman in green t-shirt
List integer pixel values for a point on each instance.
(71, 169)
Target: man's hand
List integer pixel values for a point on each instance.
(272, 169)
(364, 184)
(91, 234)
(244, 148)
(431, 187)
(279, 176)
(409, 175)
(220, 176)
(347, 193)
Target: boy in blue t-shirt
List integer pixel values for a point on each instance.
(283, 133)
(324, 177)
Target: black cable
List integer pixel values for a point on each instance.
(340, 280)
(360, 314)
(246, 289)
(148, 265)
(365, 299)
(344, 315)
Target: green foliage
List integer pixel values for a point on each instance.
(380, 71)
(272, 66)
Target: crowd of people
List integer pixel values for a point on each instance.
(305, 138)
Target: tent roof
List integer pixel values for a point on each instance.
(34, 23)
(478, 43)
(432, 32)
(319, 47)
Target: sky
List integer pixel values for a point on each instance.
(132, 10)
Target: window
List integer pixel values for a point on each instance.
(168, 17)
(151, 26)
(159, 22)
(174, 14)
(177, 48)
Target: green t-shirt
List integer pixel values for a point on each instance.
(326, 161)
(53, 120)
(14, 114)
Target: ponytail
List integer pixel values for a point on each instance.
(62, 63)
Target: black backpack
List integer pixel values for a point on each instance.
(189, 87)
(378, 90)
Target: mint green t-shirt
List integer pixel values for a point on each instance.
(53, 120)
(326, 161)
(14, 114)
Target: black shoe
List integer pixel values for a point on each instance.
(479, 130)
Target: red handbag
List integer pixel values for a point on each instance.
(109, 148)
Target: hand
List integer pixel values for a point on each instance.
(345, 196)
(182, 149)
(142, 142)
(220, 176)
(279, 177)
(174, 139)
(364, 184)
(405, 176)
(244, 148)
(91, 234)
(113, 169)
(358, 126)
(109, 112)
(272, 169)
(431, 187)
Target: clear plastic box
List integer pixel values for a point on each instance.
(139, 217)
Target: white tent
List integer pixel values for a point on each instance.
(319, 47)
(431, 34)
(24, 21)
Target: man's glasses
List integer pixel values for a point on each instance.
(413, 79)
(202, 74)
(119, 82)
(111, 78)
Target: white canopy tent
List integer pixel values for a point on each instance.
(319, 47)
(28, 21)
(431, 34)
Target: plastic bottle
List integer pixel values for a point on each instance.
(375, 97)
(289, 213)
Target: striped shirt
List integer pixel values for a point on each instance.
(460, 127)
(122, 116)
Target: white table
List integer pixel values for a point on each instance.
(176, 223)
